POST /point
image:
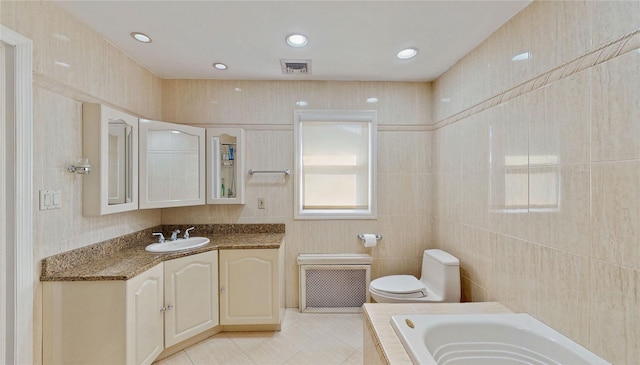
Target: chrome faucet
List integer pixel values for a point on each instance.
(186, 233)
(174, 234)
(160, 238)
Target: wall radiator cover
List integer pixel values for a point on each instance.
(334, 283)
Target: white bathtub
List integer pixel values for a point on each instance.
(487, 339)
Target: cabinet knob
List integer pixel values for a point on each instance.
(170, 307)
(163, 309)
(222, 289)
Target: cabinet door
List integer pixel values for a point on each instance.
(191, 296)
(172, 165)
(110, 142)
(145, 316)
(249, 287)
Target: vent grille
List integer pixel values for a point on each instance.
(327, 288)
(299, 67)
(334, 288)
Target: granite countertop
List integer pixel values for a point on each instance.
(125, 257)
(377, 317)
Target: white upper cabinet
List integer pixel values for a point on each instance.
(172, 165)
(225, 166)
(110, 142)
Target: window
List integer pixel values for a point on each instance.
(335, 164)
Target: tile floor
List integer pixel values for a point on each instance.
(305, 338)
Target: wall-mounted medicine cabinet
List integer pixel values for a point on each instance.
(225, 166)
(172, 165)
(110, 142)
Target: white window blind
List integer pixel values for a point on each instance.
(335, 164)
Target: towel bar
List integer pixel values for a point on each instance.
(285, 171)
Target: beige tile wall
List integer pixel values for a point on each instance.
(575, 264)
(265, 110)
(98, 72)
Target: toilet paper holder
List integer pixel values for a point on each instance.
(378, 236)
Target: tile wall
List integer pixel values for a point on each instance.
(97, 72)
(537, 170)
(265, 110)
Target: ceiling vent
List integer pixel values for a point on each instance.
(296, 67)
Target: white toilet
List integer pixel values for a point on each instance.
(440, 282)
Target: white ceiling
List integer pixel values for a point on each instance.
(348, 40)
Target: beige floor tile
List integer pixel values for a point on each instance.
(305, 338)
(213, 351)
(325, 350)
(348, 331)
(357, 358)
(179, 358)
(246, 340)
(276, 351)
(238, 359)
(303, 334)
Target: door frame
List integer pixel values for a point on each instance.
(23, 285)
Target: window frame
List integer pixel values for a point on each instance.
(368, 116)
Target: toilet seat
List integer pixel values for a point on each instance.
(405, 286)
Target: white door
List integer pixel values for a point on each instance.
(5, 275)
(16, 239)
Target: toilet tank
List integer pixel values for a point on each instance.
(441, 273)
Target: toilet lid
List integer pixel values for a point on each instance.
(399, 284)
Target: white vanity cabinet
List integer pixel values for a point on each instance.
(190, 296)
(104, 322)
(172, 165)
(130, 322)
(252, 288)
(225, 166)
(110, 142)
(145, 318)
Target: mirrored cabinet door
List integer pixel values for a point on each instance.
(110, 142)
(172, 165)
(225, 166)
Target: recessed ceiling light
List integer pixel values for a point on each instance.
(62, 64)
(220, 66)
(301, 103)
(372, 100)
(141, 37)
(297, 40)
(521, 56)
(407, 53)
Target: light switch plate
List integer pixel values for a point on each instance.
(50, 199)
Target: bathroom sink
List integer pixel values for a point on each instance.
(177, 245)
